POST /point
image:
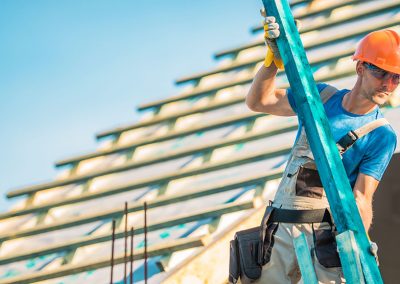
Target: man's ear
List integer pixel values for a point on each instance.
(359, 68)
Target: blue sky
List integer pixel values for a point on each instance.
(69, 69)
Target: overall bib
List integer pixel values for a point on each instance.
(300, 189)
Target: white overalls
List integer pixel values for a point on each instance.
(301, 189)
(297, 194)
(282, 266)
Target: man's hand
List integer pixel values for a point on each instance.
(271, 33)
(373, 249)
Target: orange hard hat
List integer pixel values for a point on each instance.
(380, 48)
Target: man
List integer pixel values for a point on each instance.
(378, 69)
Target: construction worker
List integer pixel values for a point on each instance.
(300, 203)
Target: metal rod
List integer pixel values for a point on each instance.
(145, 242)
(131, 259)
(112, 251)
(126, 241)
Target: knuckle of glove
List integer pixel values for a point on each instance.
(373, 248)
(272, 34)
(271, 31)
(269, 20)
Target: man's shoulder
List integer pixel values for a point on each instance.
(385, 131)
(383, 137)
(328, 91)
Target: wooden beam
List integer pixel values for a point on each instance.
(380, 7)
(159, 119)
(298, 2)
(356, 14)
(168, 156)
(223, 122)
(140, 142)
(335, 5)
(235, 161)
(80, 220)
(174, 155)
(350, 258)
(304, 259)
(216, 211)
(245, 80)
(311, 112)
(218, 187)
(365, 28)
(201, 109)
(65, 270)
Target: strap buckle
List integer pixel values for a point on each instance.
(347, 141)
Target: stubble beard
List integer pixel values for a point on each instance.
(379, 98)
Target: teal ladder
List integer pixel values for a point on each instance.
(359, 265)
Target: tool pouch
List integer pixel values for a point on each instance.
(250, 250)
(326, 248)
(308, 183)
(244, 256)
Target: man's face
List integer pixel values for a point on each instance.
(378, 84)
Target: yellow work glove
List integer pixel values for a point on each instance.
(271, 32)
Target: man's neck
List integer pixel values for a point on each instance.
(355, 102)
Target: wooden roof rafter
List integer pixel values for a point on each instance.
(356, 15)
(215, 105)
(160, 201)
(216, 211)
(207, 167)
(317, 43)
(250, 116)
(65, 270)
(324, 9)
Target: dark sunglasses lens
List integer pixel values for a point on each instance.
(376, 71)
(380, 73)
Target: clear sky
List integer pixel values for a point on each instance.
(72, 68)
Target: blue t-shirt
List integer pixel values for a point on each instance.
(371, 153)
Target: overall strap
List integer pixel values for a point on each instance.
(327, 93)
(353, 135)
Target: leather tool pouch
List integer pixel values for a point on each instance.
(244, 256)
(326, 248)
(251, 249)
(234, 263)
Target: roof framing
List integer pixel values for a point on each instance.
(223, 122)
(323, 42)
(378, 8)
(65, 270)
(216, 211)
(212, 106)
(207, 167)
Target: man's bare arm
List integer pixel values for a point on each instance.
(263, 95)
(364, 190)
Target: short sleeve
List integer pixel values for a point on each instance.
(290, 95)
(379, 152)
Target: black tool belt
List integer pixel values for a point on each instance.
(251, 248)
(300, 216)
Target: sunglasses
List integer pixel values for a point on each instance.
(379, 73)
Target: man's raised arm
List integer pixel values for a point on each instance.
(263, 95)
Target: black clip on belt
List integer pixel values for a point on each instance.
(347, 141)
